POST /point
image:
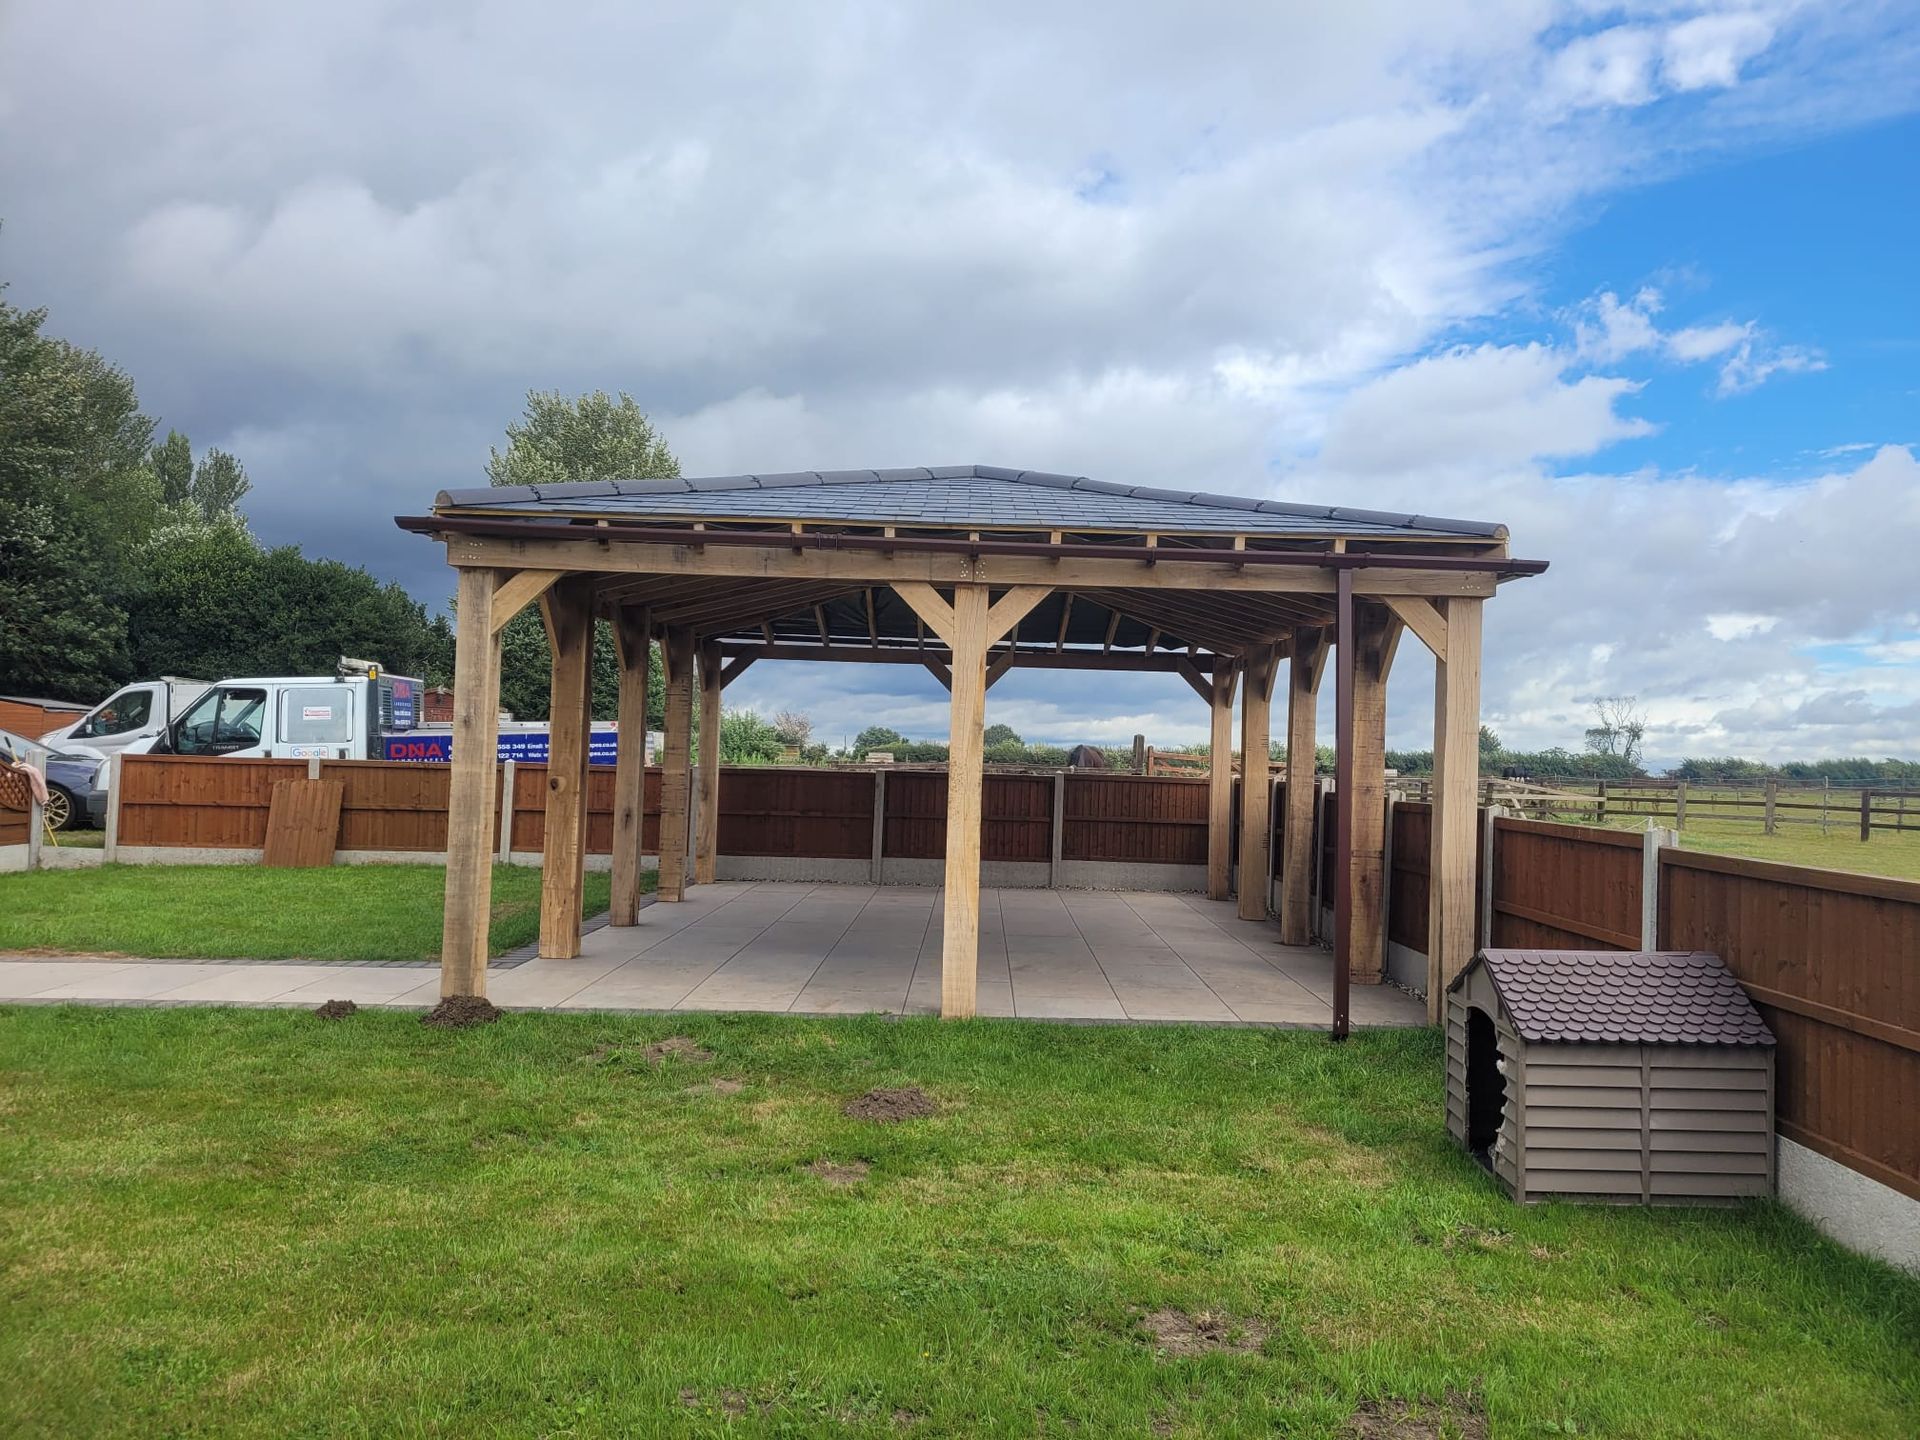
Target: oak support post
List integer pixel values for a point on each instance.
(1346, 643)
(1220, 782)
(632, 640)
(960, 936)
(1363, 734)
(706, 849)
(1307, 663)
(1256, 694)
(475, 739)
(1456, 781)
(567, 608)
(675, 781)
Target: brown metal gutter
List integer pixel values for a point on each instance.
(923, 544)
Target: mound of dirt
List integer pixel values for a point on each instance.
(462, 1012)
(889, 1106)
(1175, 1332)
(1452, 1417)
(336, 1009)
(852, 1173)
(678, 1047)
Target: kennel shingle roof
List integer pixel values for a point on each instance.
(954, 495)
(1665, 997)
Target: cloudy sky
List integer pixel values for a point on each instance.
(1636, 280)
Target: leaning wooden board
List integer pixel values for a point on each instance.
(303, 822)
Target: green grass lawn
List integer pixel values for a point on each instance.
(344, 912)
(259, 1223)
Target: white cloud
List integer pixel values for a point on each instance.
(1703, 342)
(1734, 626)
(1708, 50)
(1751, 365)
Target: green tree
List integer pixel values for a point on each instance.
(592, 438)
(1000, 735)
(746, 739)
(595, 437)
(877, 737)
(79, 503)
(219, 484)
(172, 464)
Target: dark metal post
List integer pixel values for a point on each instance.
(1343, 801)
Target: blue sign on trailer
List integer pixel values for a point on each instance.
(529, 745)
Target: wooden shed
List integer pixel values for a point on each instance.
(1624, 1076)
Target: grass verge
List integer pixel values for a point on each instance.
(343, 912)
(238, 1223)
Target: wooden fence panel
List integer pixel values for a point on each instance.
(199, 801)
(1407, 899)
(1158, 820)
(1017, 818)
(1565, 887)
(824, 813)
(1833, 962)
(392, 804)
(916, 823)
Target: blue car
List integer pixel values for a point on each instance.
(74, 793)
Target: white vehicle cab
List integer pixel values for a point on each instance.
(328, 717)
(132, 715)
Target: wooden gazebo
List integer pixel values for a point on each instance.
(969, 571)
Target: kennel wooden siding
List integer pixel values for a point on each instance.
(1641, 1078)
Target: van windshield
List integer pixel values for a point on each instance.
(119, 715)
(222, 721)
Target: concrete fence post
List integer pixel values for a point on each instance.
(1487, 842)
(1655, 838)
(879, 860)
(1057, 836)
(116, 772)
(506, 812)
(313, 767)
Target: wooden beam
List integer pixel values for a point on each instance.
(1162, 662)
(873, 623)
(1013, 607)
(734, 666)
(858, 567)
(1304, 669)
(706, 830)
(1113, 626)
(1217, 690)
(568, 610)
(632, 631)
(1066, 614)
(470, 798)
(935, 613)
(1202, 685)
(518, 591)
(939, 671)
(1256, 860)
(820, 619)
(960, 925)
(1002, 663)
(1420, 616)
(1456, 784)
(676, 763)
(1376, 632)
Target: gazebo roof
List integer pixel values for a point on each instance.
(947, 496)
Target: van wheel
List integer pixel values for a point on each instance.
(60, 808)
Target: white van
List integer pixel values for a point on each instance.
(295, 717)
(130, 716)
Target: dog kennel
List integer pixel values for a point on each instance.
(1625, 1076)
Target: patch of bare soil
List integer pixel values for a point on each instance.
(336, 1009)
(852, 1173)
(462, 1012)
(677, 1047)
(1176, 1333)
(715, 1087)
(1452, 1417)
(890, 1106)
(734, 1404)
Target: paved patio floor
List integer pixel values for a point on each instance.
(826, 950)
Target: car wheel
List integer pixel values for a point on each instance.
(60, 808)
